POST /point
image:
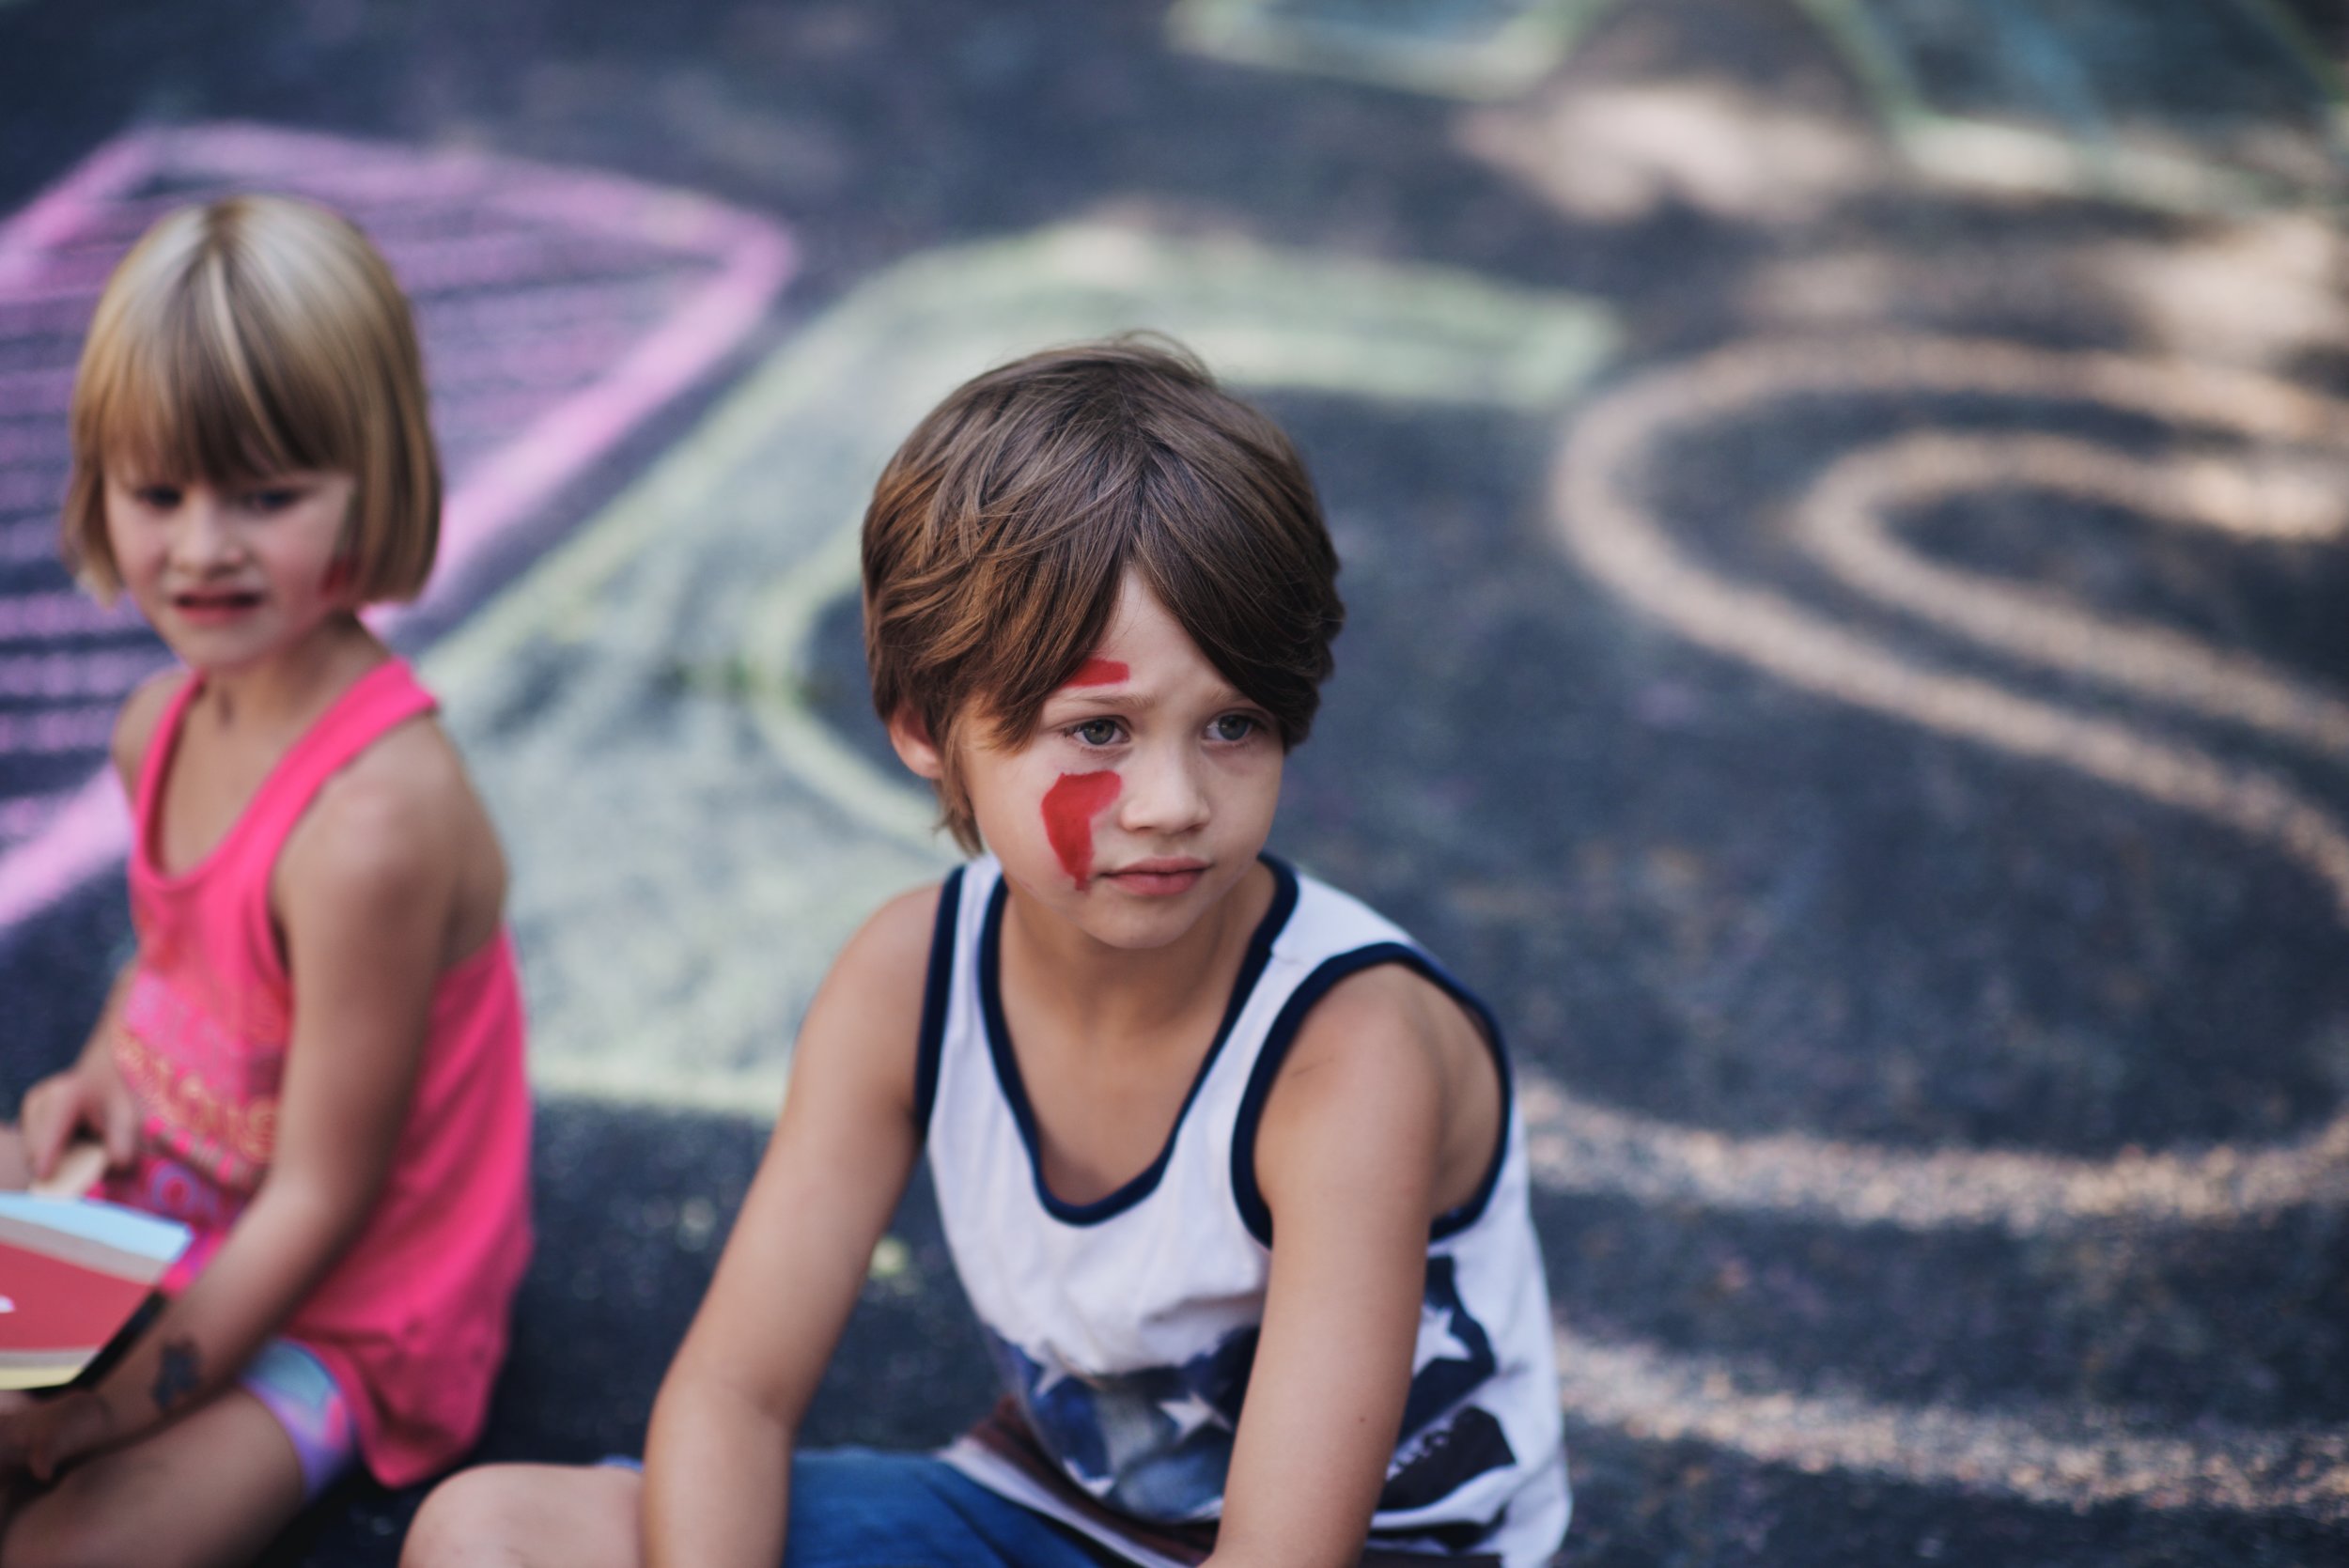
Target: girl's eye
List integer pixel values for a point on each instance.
(274, 499)
(160, 498)
(1097, 732)
(1233, 726)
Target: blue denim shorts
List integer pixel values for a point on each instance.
(852, 1508)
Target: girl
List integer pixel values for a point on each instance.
(1229, 1166)
(315, 1057)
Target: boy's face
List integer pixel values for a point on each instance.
(1142, 794)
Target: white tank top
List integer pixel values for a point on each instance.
(1124, 1327)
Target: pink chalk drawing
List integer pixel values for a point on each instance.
(559, 309)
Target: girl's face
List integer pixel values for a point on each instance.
(231, 576)
(1144, 792)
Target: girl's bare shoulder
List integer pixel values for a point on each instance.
(402, 823)
(135, 722)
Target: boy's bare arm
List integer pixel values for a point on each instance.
(1348, 1159)
(718, 1457)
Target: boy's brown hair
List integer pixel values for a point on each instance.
(1001, 531)
(249, 337)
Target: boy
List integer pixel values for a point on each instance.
(1202, 1129)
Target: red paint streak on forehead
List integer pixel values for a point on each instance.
(1069, 807)
(1098, 672)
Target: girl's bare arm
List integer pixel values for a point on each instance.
(365, 893)
(89, 1098)
(86, 1101)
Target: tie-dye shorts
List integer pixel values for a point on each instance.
(294, 1385)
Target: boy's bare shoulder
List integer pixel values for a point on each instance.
(137, 721)
(1389, 1021)
(1379, 1046)
(864, 1025)
(1386, 1061)
(890, 953)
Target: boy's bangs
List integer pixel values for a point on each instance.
(200, 400)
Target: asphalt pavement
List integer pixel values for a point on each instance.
(1845, 508)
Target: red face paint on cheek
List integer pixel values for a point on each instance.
(1098, 672)
(1069, 807)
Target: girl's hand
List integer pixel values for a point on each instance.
(88, 1097)
(17, 1412)
(12, 1408)
(43, 1436)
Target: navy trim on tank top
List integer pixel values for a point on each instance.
(936, 989)
(1252, 967)
(1253, 1212)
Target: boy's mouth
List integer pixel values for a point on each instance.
(1160, 878)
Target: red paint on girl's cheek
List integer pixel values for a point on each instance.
(1098, 672)
(1069, 807)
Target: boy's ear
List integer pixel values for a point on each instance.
(910, 735)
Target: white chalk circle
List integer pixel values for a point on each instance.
(1598, 494)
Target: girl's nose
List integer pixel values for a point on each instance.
(203, 540)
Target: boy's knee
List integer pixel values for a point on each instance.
(470, 1520)
(514, 1515)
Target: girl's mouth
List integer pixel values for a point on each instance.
(213, 609)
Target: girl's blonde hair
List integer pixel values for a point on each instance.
(249, 337)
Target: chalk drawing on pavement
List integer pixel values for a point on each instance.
(1472, 49)
(2094, 98)
(2287, 485)
(2067, 1455)
(2283, 484)
(2083, 100)
(557, 309)
(692, 848)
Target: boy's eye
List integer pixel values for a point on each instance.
(1233, 726)
(1097, 732)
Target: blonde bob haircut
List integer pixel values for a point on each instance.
(246, 338)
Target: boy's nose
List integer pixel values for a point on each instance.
(1164, 793)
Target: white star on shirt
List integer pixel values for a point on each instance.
(1189, 1413)
(1050, 1374)
(1451, 1347)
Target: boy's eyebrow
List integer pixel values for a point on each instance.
(1143, 700)
(1121, 701)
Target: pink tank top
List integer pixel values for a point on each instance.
(413, 1320)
